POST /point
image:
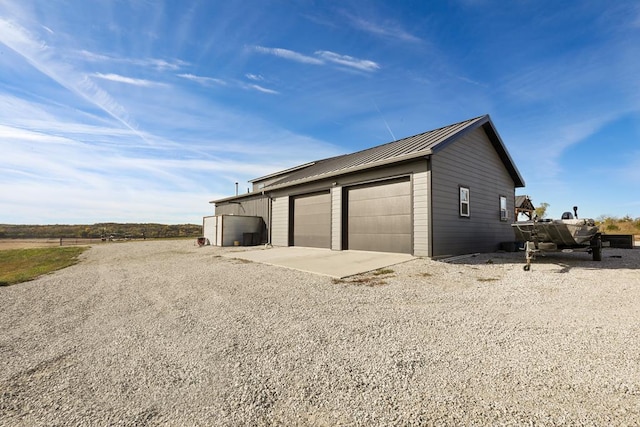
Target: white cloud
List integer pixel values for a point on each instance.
(254, 77)
(470, 81)
(264, 89)
(289, 54)
(18, 38)
(388, 29)
(205, 81)
(160, 64)
(348, 61)
(322, 57)
(155, 63)
(91, 56)
(128, 80)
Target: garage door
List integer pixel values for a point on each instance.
(312, 220)
(379, 217)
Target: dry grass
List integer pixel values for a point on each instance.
(370, 281)
(619, 226)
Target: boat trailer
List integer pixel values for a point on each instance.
(568, 234)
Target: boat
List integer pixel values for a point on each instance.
(567, 234)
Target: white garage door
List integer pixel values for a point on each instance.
(312, 220)
(379, 217)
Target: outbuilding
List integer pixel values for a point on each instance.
(524, 206)
(445, 192)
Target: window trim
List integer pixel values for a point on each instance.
(503, 211)
(461, 190)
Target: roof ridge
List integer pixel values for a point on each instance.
(408, 137)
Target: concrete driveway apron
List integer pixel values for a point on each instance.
(338, 264)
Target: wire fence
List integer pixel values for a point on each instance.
(79, 241)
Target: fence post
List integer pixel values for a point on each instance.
(61, 241)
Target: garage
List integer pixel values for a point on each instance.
(379, 217)
(311, 220)
(401, 197)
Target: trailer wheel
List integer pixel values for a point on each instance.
(596, 249)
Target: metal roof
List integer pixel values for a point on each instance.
(412, 147)
(423, 144)
(275, 174)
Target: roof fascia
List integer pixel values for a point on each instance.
(238, 197)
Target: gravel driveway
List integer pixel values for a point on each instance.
(168, 333)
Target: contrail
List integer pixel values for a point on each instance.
(42, 57)
(385, 122)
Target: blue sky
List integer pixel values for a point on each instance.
(145, 110)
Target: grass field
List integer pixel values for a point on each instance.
(21, 265)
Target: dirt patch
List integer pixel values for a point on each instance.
(28, 243)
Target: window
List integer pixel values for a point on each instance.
(464, 201)
(504, 213)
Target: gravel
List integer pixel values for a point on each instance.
(169, 333)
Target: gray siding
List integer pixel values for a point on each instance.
(470, 162)
(280, 222)
(250, 206)
(421, 214)
(336, 218)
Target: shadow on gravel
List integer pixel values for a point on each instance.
(612, 259)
